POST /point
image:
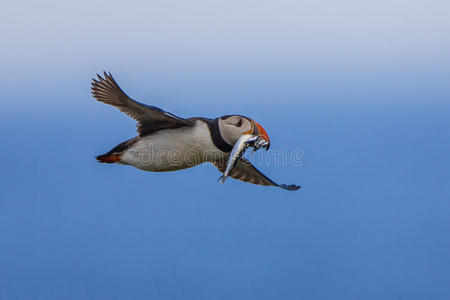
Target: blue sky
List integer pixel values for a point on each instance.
(361, 88)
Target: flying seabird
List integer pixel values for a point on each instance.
(166, 142)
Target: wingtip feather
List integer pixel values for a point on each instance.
(291, 187)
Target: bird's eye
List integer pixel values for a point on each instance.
(239, 123)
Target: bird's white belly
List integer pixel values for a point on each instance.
(172, 149)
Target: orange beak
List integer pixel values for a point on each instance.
(261, 132)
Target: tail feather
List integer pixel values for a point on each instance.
(114, 155)
(108, 158)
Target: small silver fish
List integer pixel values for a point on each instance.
(260, 143)
(238, 150)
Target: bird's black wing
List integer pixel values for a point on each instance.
(246, 172)
(150, 118)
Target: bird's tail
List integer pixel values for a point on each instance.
(115, 154)
(108, 158)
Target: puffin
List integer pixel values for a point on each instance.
(166, 142)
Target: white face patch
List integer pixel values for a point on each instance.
(233, 127)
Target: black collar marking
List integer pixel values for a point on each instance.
(216, 137)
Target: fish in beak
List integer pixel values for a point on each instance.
(259, 131)
(256, 138)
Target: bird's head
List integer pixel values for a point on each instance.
(232, 127)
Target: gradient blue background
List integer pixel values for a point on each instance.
(362, 88)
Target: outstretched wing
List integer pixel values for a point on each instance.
(245, 171)
(149, 118)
